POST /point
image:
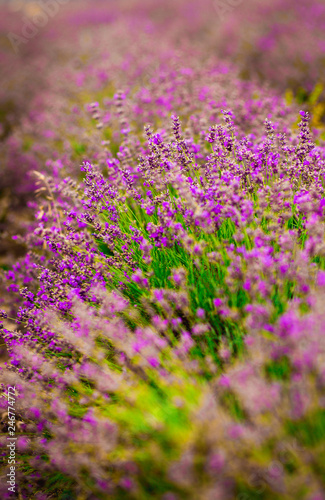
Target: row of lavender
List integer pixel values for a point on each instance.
(169, 336)
(78, 49)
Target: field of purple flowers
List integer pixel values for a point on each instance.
(162, 250)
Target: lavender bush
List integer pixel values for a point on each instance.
(172, 323)
(165, 327)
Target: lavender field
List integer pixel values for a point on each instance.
(162, 250)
